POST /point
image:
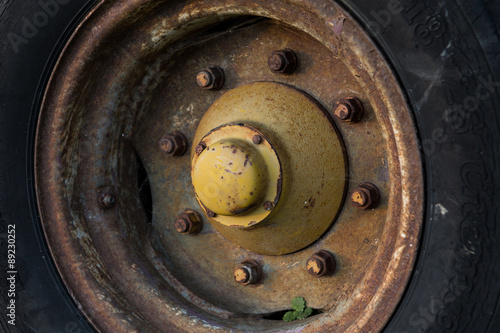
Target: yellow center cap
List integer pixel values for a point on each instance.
(230, 177)
(236, 175)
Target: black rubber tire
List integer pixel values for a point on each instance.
(447, 57)
(42, 304)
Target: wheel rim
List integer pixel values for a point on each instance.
(100, 110)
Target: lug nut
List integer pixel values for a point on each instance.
(105, 197)
(282, 61)
(257, 139)
(106, 200)
(189, 222)
(349, 110)
(211, 78)
(365, 196)
(321, 263)
(174, 144)
(248, 272)
(268, 205)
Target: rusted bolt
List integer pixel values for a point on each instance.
(106, 200)
(189, 222)
(174, 144)
(211, 78)
(365, 196)
(248, 272)
(105, 196)
(257, 139)
(200, 148)
(268, 205)
(282, 61)
(321, 263)
(349, 110)
(210, 213)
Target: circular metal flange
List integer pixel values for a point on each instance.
(120, 85)
(233, 177)
(310, 141)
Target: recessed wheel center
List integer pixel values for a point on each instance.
(248, 193)
(236, 175)
(153, 229)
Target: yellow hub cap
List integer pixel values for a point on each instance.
(230, 177)
(305, 186)
(236, 174)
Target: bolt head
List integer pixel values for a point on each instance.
(343, 111)
(182, 225)
(257, 139)
(365, 196)
(189, 222)
(200, 148)
(248, 272)
(107, 200)
(349, 110)
(173, 144)
(321, 263)
(360, 197)
(204, 79)
(282, 61)
(315, 266)
(211, 78)
(276, 61)
(167, 145)
(242, 274)
(210, 213)
(105, 197)
(268, 205)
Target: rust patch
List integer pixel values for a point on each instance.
(337, 24)
(238, 211)
(108, 249)
(310, 203)
(200, 148)
(314, 266)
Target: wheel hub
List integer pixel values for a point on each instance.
(299, 198)
(127, 115)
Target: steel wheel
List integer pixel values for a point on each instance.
(144, 100)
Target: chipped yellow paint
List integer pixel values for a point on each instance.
(233, 177)
(230, 177)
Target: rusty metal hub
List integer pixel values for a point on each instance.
(140, 105)
(232, 166)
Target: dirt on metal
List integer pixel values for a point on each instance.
(127, 77)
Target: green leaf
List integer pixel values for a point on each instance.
(290, 315)
(300, 310)
(303, 315)
(298, 304)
